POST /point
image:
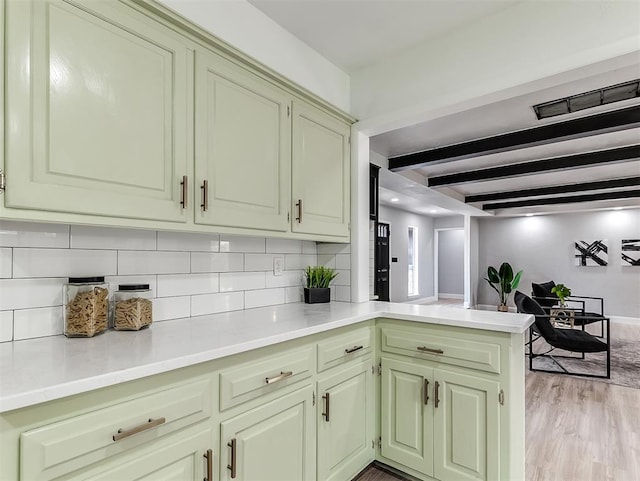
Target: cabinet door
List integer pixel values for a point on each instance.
(179, 457)
(97, 104)
(243, 147)
(344, 420)
(467, 427)
(275, 442)
(320, 173)
(407, 415)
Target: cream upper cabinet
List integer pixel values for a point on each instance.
(96, 111)
(320, 173)
(243, 147)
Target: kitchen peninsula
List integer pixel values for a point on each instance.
(339, 385)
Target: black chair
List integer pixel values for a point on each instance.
(572, 340)
(541, 293)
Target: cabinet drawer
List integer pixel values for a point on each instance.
(254, 379)
(59, 448)
(436, 346)
(339, 349)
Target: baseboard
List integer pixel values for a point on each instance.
(489, 307)
(421, 300)
(625, 320)
(450, 296)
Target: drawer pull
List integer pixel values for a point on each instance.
(325, 414)
(436, 394)
(353, 349)
(279, 377)
(232, 467)
(125, 433)
(299, 206)
(428, 349)
(426, 392)
(205, 195)
(209, 457)
(183, 192)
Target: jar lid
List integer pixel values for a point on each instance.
(86, 280)
(133, 287)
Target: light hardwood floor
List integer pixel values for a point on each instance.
(576, 429)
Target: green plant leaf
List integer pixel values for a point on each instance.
(516, 280)
(492, 275)
(319, 276)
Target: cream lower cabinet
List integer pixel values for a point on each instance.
(345, 421)
(96, 111)
(274, 442)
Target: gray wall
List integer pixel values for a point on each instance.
(398, 247)
(448, 222)
(451, 262)
(543, 246)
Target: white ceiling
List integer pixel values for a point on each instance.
(354, 33)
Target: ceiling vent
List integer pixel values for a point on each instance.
(587, 100)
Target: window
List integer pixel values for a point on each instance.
(412, 262)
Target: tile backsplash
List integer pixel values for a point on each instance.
(189, 274)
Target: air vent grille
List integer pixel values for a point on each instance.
(587, 100)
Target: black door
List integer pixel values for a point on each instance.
(381, 287)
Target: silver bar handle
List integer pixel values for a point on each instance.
(232, 467)
(353, 349)
(299, 206)
(279, 377)
(205, 195)
(125, 433)
(183, 195)
(209, 457)
(428, 349)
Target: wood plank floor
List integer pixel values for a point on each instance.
(576, 429)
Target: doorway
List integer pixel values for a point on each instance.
(448, 265)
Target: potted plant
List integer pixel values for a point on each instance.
(316, 284)
(562, 292)
(503, 282)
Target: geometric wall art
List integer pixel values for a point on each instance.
(591, 253)
(630, 252)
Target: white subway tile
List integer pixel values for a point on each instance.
(342, 293)
(284, 246)
(264, 297)
(187, 284)
(6, 326)
(115, 281)
(293, 294)
(89, 237)
(145, 262)
(6, 258)
(171, 308)
(63, 262)
(33, 234)
(213, 303)
(241, 281)
(223, 262)
(28, 293)
(29, 323)
(260, 262)
(309, 247)
(327, 260)
(232, 243)
(299, 261)
(331, 248)
(188, 241)
(343, 261)
(287, 279)
(342, 279)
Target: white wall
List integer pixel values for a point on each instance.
(543, 246)
(248, 29)
(513, 47)
(451, 262)
(448, 222)
(398, 247)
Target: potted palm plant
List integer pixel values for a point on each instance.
(316, 284)
(562, 292)
(503, 282)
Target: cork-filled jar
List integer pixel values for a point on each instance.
(133, 307)
(86, 306)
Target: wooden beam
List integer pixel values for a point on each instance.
(571, 199)
(575, 161)
(556, 189)
(621, 119)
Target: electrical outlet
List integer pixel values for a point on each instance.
(278, 266)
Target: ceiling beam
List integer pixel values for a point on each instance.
(571, 199)
(575, 161)
(621, 119)
(554, 190)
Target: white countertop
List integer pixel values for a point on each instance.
(39, 370)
